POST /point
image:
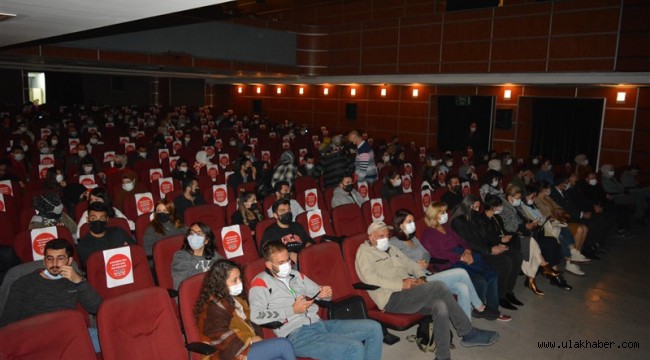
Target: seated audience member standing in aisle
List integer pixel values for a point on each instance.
(280, 294)
(403, 289)
(345, 193)
(190, 197)
(364, 163)
(101, 236)
(223, 318)
(282, 190)
(286, 230)
(196, 255)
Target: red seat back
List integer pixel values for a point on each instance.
(323, 263)
(163, 256)
(302, 183)
(260, 228)
(403, 201)
(23, 243)
(141, 223)
(188, 294)
(327, 224)
(247, 244)
(367, 216)
(300, 198)
(138, 325)
(141, 274)
(210, 214)
(348, 220)
(69, 340)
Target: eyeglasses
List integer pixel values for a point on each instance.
(200, 233)
(58, 258)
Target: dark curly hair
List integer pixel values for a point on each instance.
(209, 248)
(214, 285)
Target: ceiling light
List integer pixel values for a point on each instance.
(326, 91)
(279, 90)
(301, 90)
(507, 94)
(620, 97)
(240, 90)
(258, 90)
(416, 92)
(353, 92)
(383, 92)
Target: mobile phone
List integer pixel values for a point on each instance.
(313, 297)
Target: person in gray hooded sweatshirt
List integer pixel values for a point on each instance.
(285, 170)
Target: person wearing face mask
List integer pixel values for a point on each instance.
(19, 166)
(523, 178)
(57, 285)
(545, 172)
(310, 168)
(245, 173)
(622, 196)
(457, 280)
(592, 193)
(491, 184)
(190, 197)
(392, 186)
(223, 318)
(49, 212)
(403, 288)
(182, 170)
(345, 193)
(163, 224)
(282, 190)
(571, 237)
(289, 296)
(129, 186)
(285, 229)
(196, 255)
(100, 194)
(454, 194)
(101, 236)
(248, 212)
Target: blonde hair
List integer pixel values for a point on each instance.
(512, 190)
(431, 215)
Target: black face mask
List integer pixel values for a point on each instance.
(348, 188)
(286, 218)
(286, 196)
(456, 188)
(98, 226)
(196, 193)
(162, 217)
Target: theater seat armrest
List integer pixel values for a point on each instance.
(201, 348)
(324, 303)
(364, 286)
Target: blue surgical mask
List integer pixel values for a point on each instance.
(52, 277)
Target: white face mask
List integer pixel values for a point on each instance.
(52, 277)
(143, 154)
(82, 153)
(233, 143)
(45, 150)
(495, 183)
(409, 228)
(88, 169)
(509, 162)
(530, 202)
(386, 159)
(516, 202)
(610, 173)
(58, 209)
(535, 161)
(94, 141)
(497, 211)
(196, 241)
(382, 244)
(128, 186)
(19, 157)
(236, 289)
(59, 178)
(183, 169)
(593, 182)
(397, 182)
(309, 166)
(443, 219)
(25, 147)
(55, 142)
(284, 270)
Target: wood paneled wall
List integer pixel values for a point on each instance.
(401, 114)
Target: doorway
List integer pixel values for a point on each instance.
(36, 81)
(455, 113)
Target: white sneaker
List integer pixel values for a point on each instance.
(573, 269)
(576, 256)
